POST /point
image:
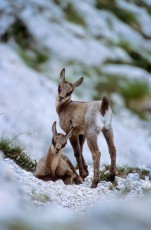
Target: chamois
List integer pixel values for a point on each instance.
(88, 120)
(55, 165)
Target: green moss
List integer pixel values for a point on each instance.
(35, 60)
(27, 50)
(41, 197)
(122, 14)
(138, 59)
(106, 85)
(141, 4)
(57, 2)
(17, 224)
(104, 176)
(134, 90)
(17, 153)
(123, 171)
(105, 4)
(19, 32)
(134, 93)
(125, 45)
(72, 15)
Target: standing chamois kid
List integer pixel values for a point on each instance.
(55, 165)
(88, 120)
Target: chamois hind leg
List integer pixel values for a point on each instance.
(93, 146)
(108, 134)
(78, 155)
(81, 141)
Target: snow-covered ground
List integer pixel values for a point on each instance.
(27, 111)
(31, 203)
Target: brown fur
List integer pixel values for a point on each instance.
(55, 165)
(85, 117)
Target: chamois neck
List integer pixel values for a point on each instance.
(60, 105)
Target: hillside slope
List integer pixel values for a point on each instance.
(108, 42)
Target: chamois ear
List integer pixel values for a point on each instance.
(69, 134)
(54, 130)
(62, 75)
(77, 83)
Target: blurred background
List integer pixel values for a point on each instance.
(108, 42)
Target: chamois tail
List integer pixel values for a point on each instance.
(105, 105)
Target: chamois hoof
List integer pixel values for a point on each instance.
(94, 183)
(67, 181)
(86, 170)
(84, 174)
(78, 180)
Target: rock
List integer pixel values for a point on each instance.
(133, 183)
(120, 183)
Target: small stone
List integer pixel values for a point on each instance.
(132, 182)
(120, 184)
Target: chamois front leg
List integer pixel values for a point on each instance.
(108, 134)
(93, 146)
(78, 155)
(81, 141)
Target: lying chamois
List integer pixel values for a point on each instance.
(88, 120)
(55, 165)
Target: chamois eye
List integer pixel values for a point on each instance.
(68, 94)
(63, 145)
(59, 89)
(53, 142)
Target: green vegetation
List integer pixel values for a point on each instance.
(134, 93)
(123, 171)
(17, 153)
(33, 59)
(134, 90)
(57, 2)
(41, 197)
(122, 14)
(72, 15)
(138, 59)
(19, 32)
(107, 85)
(141, 3)
(26, 47)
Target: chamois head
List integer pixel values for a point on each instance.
(59, 140)
(66, 88)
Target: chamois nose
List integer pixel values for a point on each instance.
(58, 147)
(61, 98)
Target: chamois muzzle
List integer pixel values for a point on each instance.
(58, 147)
(61, 98)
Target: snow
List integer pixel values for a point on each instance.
(36, 204)
(71, 197)
(126, 71)
(31, 97)
(140, 13)
(75, 198)
(27, 111)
